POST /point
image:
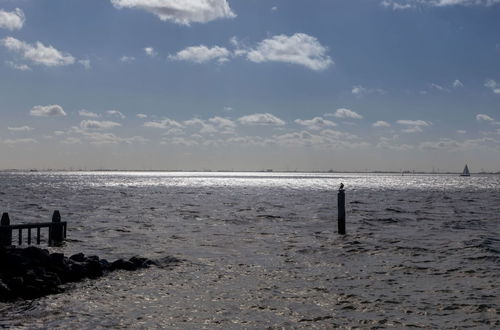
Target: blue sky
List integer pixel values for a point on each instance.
(250, 84)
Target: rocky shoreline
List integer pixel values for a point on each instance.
(32, 272)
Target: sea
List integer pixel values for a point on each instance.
(262, 251)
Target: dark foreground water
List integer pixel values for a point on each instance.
(262, 250)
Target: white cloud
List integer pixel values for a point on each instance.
(316, 123)
(345, 113)
(38, 54)
(413, 126)
(493, 85)
(86, 113)
(413, 122)
(98, 125)
(359, 90)
(164, 124)
(300, 49)
(381, 123)
(142, 115)
(20, 67)
(461, 131)
(439, 87)
(225, 126)
(18, 141)
(150, 51)
(115, 113)
(222, 122)
(204, 127)
(47, 111)
(457, 84)
(127, 59)
(261, 119)
(228, 109)
(408, 4)
(395, 5)
(202, 54)
(20, 129)
(483, 117)
(11, 20)
(181, 12)
(274, 8)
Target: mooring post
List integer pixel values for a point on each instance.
(341, 209)
(56, 233)
(5, 231)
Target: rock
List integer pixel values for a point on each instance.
(5, 292)
(33, 272)
(105, 265)
(80, 257)
(123, 264)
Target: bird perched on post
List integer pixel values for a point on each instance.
(341, 186)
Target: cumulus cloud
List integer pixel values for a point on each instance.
(97, 125)
(150, 51)
(204, 127)
(142, 115)
(413, 126)
(261, 119)
(163, 124)
(20, 129)
(381, 123)
(181, 12)
(396, 5)
(225, 126)
(493, 85)
(346, 114)
(11, 20)
(202, 54)
(39, 53)
(316, 123)
(483, 117)
(47, 111)
(300, 49)
(116, 113)
(86, 113)
(359, 90)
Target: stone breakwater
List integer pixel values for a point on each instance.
(33, 272)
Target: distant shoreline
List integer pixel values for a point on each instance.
(403, 173)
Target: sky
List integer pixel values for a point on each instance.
(307, 85)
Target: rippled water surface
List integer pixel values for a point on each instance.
(261, 250)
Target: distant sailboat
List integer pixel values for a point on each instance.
(466, 171)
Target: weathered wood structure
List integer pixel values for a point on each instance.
(56, 230)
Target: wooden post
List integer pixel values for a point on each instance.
(56, 232)
(341, 209)
(5, 231)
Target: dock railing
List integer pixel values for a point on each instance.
(56, 230)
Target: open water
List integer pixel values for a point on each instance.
(261, 250)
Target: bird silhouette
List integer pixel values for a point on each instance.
(341, 186)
